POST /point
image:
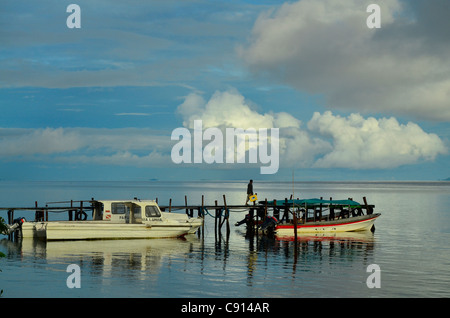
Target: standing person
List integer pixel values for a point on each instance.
(249, 191)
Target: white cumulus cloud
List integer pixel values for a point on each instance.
(229, 109)
(326, 141)
(359, 142)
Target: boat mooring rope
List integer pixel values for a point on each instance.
(202, 209)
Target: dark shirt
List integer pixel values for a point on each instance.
(250, 188)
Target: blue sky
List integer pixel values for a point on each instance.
(100, 102)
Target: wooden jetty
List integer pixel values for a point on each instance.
(256, 213)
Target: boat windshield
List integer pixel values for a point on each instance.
(152, 211)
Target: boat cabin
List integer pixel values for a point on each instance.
(126, 211)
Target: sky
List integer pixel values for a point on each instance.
(100, 102)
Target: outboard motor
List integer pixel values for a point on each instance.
(268, 227)
(17, 225)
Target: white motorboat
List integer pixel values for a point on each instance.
(117, 219)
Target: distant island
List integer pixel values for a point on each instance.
(448, 179)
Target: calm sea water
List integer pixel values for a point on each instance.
(411, 246)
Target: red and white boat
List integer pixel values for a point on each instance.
(359, 223)
(322, 216)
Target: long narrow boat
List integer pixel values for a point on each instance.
(116, 219)
(320, 216)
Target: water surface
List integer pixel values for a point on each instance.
(410, 246)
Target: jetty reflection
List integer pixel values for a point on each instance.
(311, 251)
(146, 259)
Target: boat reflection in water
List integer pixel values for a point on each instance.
(103, 257)
(330, 244)
(248, 266)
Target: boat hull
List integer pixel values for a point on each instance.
(97, 230)
(359, 223)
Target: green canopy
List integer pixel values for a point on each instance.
(315, 202)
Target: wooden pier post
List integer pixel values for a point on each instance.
(10, 217)
(10, 222)
(97, 215)
(70, 211)
(81, 212)
(251, 225)
(295, 223)
(216, 217)
(366, 205)
(227, 216)
(286, 210)
(276, 211)
(189, 212)
(265, 212)
(203, 216)
(320, 210)
(39, 214)
(331, 215)
(219, 226)
(252, 217)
